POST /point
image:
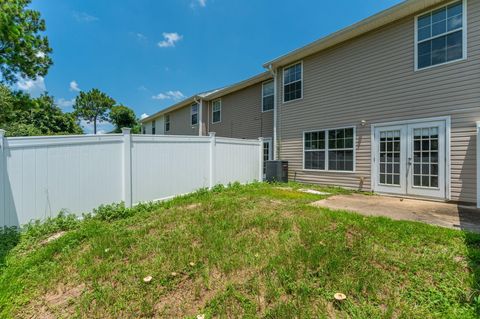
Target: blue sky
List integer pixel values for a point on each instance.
(148, 54)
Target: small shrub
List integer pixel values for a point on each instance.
(62, 222)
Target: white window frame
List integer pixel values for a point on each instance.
(273, 94)
(464, 35)
(167, 121)
(193, 113)
(283, 82)
(326, 170)
(213, 110)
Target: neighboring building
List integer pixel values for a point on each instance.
(243, 110)
(389, 104)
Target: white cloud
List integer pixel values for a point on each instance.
(144, 116)
(64, 103)
(84, 17)
(198, 3)
(40, 54)
(170, 40)
(170, 95)
(34, 87)
(102, 127)
(141, 37)
(74, 86)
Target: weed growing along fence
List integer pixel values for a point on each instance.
(41, 176)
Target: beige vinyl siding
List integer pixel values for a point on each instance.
(372, 78)
(180, 122)
(242, 115)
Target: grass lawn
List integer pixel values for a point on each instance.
(255, 251)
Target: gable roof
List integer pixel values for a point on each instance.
(211, 95)
(376, 21)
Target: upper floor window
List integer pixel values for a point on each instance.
(268, 96)
(167, 123)
(330, 150)
(217, 111)
(153, 127)
(194, 114)
(292, 82)
(440, 36)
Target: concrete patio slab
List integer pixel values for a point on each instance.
(435, 213)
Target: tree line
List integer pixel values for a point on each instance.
(25, 53)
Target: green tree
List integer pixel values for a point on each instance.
(93, 106)
(122, 116)
(32, 117)
(24, 51)
(6, 104)
(21, 115)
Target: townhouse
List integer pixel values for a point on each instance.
(242, 110)
(389, 104)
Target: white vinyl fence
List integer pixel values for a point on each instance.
(40, 176)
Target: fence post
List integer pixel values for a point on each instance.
(478, 164)
(260, 170)
(3, 169)
(213, 142)
(127, 166)
(2, 136)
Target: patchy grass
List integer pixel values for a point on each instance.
(244, 251)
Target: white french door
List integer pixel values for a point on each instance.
(410, 159)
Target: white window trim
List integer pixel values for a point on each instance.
(167, 116)
(192, 113)
(283, 82)
(326, 170)
(464, 35)
(273, 94)
(213, 110)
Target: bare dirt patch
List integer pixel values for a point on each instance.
(191, 295)
(55, 304)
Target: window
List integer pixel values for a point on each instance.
(292, 82)
(440, 36)
(315, 150)
(194, 114)
(167, 123)
(329, 150)
(268, 96)
(216, 111)
(144, 130)
(153, 127)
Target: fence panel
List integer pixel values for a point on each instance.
(40, 176)
(165, 166)
(236, 160)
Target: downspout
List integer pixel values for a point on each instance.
(275, 145)
(200, 113)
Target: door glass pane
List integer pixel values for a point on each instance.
(425, 157)
(389, 165)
